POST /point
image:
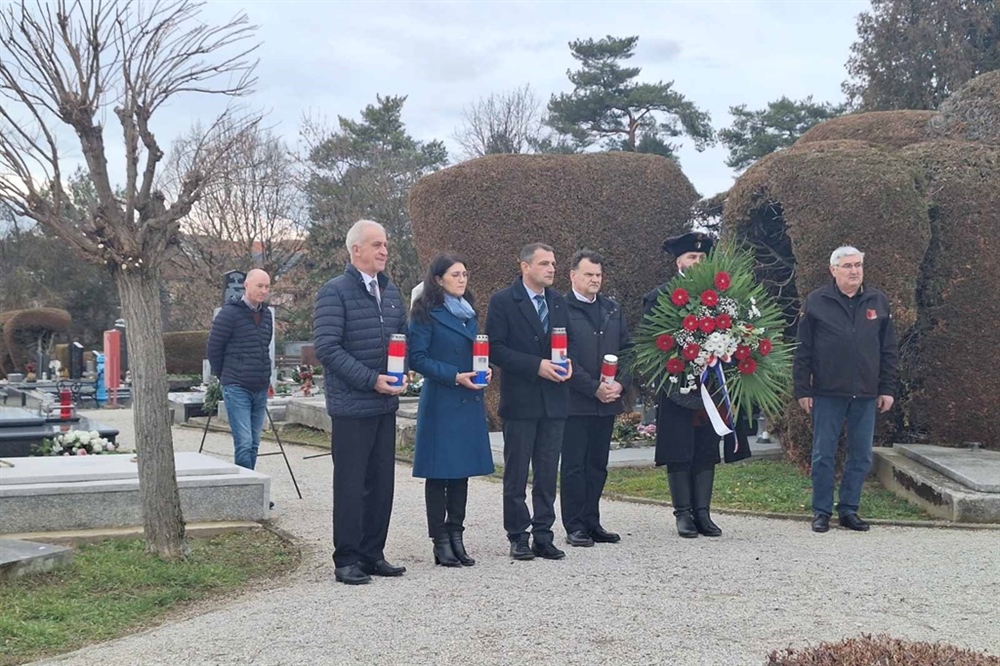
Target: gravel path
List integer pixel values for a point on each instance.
(654, 598)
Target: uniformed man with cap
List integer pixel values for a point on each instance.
(686, 442)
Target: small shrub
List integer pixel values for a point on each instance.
(184, 351)
(880, 650)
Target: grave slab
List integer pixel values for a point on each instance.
(977, 469)
(211, 490)
(931, 490)
(20, 558)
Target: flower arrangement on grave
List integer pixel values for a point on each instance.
(716, 331)
(414, 383)
(628, 427)
(76, 443)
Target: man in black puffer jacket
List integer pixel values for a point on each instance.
(240, 356)
(356, 313)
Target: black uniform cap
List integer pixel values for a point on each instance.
(695, 241)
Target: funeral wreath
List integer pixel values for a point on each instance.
(716, 331)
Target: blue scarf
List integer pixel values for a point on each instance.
(459, 307)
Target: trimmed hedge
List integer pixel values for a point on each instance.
(924, 211)
(972, 113)
(622, 205)
(952, 382)
(22, 328)
(888, 129)
(881, 651)
(185, 351)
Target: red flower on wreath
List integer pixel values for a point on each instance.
(709, 298)
(747, 366)
(691, 351)
(690, 323)
(675, 366)
(665, 342)
(723, 322)
(722, 281)
(765, 347)
(707, 325)
(742, 353)
(679, 297)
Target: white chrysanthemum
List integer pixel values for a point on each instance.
(98, 447)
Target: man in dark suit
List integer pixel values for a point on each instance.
(356, 313)
(597, 329)
(534, 398)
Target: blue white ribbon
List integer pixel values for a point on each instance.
(723, 423)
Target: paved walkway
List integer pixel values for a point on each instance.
(654, 598)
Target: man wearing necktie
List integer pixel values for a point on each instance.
(534, 399)
(356, 313)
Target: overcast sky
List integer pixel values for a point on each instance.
(330, 58)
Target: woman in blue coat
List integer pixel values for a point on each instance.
(453, 441)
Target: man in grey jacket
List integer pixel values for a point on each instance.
(356, 313)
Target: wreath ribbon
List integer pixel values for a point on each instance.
(722, 421)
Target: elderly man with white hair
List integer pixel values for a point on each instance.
(356, 315)
(844, 371)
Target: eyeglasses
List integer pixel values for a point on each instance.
(858, 264)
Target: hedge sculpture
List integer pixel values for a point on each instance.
(22, 331)
(923, 209)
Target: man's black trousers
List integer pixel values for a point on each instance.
(586, 443)
(534, 442)
(364, 468)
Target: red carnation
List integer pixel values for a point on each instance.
(675, 366)
(723, 322)
(691, 351)
(709, 298)
(747, 366)
(707, 325)
(679, 297)
(765, 347)
(742, 353)
(690, 323)
(665, 342)
(722, 281)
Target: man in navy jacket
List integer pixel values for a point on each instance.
(356, 313)
(239, 353)
(534, 398)
(844, 370)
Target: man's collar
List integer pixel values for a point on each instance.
(581, 297)
(250, 305)
(367, 278)
(531, 292)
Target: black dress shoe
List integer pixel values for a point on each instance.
(601, 535)
(381, 568)
(852, 521)
(821, 523)
(519, 550)
(547, 550)
(351, 575)
(579, 538)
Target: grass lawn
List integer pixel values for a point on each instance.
(771, 486)
(766, 486)
(113, 588)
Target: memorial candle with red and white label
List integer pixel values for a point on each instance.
(396, 365)
(481, 359)
(609, 368)
(560, 350)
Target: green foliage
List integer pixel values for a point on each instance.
(213, 394)
(755, 134)
(755, 319)
(114, 587)
(912, 54)
(607, 104)
(364, 170)
(771, 486)
(185, 351)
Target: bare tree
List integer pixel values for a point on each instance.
(252, 215)
(507, 122)
(65, 65)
